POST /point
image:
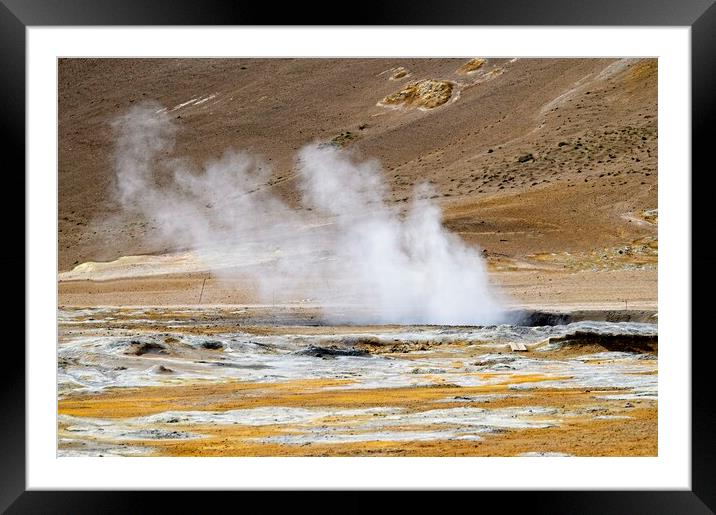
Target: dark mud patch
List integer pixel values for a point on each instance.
(251, 366)
(616, 315)
(496, 360)
(546, 318)
(331, 352)
(636, 343)
(137, 348)
(367, 345)
(229, 364)
(540, 318)
(156, 434)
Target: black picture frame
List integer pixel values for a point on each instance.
(700, 15)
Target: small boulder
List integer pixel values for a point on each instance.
(525, 158)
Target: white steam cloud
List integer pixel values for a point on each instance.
(344, 247)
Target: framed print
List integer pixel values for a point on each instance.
(365, 257)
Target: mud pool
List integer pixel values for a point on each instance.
(274, 381)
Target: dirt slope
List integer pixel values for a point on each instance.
(547, 163)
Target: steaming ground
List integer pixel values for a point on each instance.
(270, 381)
(250, 251)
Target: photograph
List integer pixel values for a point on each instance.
(356, 257)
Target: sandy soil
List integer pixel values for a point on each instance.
(544, 289)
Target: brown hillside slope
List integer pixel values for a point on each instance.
(542, 162)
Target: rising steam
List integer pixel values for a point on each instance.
(344, 247)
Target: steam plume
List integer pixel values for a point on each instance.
(345, 248)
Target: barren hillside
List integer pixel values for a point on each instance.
(547, 163)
